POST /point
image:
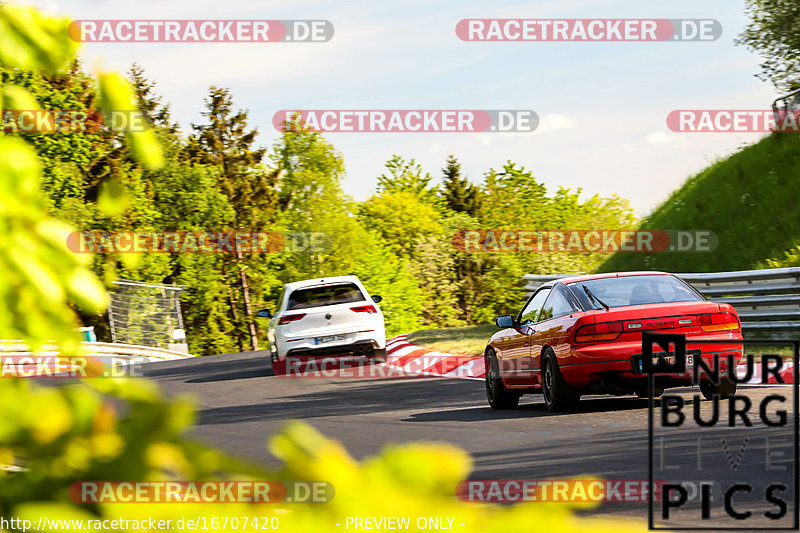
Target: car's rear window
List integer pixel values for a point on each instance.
(328, 295)
(633, 290)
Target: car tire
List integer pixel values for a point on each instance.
(558, 395)
(379, 355)
(278, 364)
(725, 389)
(499, 397)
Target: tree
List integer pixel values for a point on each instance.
(226, 142)
(311, 199)
(73, 164)
(187, 198)
(464, 199)
(311, 171)
(401, 219)
(774, 34)
(407, 176)
(513, 197)
(458, 193)
(413, 229)
(515, 200)
(152, 106)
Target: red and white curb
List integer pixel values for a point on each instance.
(407, 357)
(787, 374)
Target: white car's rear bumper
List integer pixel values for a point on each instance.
(324, 342)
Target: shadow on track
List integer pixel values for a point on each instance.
(244, 374)
(530, 410)
(318, 398)
(212, 368)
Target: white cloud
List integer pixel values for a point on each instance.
(48, 7)
(554, 122)
(661, 137)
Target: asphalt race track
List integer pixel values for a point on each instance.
(241, 403)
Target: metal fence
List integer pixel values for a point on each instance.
(786, 104)
(147, 314)
(768, 300)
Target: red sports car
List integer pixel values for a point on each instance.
(583, 335)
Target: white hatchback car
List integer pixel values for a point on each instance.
(326, 316)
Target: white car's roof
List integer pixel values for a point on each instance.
(321, 281)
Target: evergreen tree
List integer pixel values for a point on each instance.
(458, 193)
(152, 106)
(227, 142)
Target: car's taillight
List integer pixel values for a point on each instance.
(364, 309)
(285, 319)
(718, 322)
(603, 331)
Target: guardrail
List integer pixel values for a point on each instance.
(784, 104)
(768, 300)
(105, 351)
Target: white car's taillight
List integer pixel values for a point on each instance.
(364, 309)
(285, 319)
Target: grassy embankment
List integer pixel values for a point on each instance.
(470, 340)
(751, 200)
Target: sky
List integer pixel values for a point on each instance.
(602, 105)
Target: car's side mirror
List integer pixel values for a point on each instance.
(264, 313)
(504, 321)
(376, 298)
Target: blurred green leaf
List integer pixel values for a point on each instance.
(33, 41)
(117, 96)
(17, 98)
(113, 197)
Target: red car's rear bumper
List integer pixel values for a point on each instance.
(613, 365)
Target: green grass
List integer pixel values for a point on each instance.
(470, 340)
(750, 200)
(757, 350)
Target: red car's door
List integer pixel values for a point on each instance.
(515, 367)
(552, 329)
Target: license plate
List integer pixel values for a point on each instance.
(329, 338)
(671, 360)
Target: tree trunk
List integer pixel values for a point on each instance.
(234, 312)
(248, 309)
